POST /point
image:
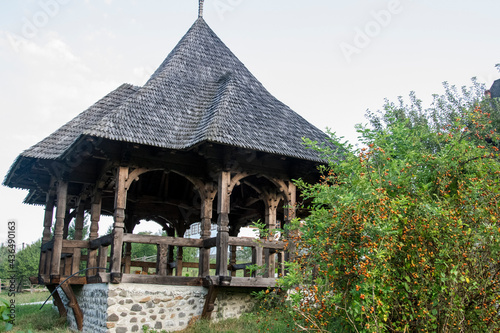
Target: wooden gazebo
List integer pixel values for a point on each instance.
(201, 141)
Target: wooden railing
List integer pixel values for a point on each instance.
(267, 257)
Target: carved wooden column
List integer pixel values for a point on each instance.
(170, 252)
(207, 199)
(271, 201)
(181, 230)
(289, 216)
(223, 208)
(62, 193)
(95, 216)
(47, 224)
(119, 224)
(79, 220)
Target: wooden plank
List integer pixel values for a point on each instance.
(48, 246)
(73, 244)
(68, 260)
(245, 282)
(158, 240)
(166, 280)
(102, 258)
(80, 280)
(210, 242)
(101, 241)
(48, 262)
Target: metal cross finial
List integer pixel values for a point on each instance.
(200, 9)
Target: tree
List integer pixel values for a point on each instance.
(403, 234)
(27, 261)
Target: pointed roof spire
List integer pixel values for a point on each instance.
(200, 9)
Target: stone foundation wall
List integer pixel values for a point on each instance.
(127, 307)
(93, 300)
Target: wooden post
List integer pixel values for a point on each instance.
(79, 220)
(47, 224)
(271, 202)
(289, 216)
(207, 198)
(232, 259)
(62, 193)
(95, 216)
(127, 258)
(223, 208)
(162, 260)
(257, 260)
(102, 259)
(178, 266)
(170, 252)
(67, 220)
(119, 225)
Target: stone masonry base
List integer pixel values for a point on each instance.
(127, 307)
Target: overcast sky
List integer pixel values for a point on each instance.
(329, 60)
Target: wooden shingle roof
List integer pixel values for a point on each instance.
(201, 93)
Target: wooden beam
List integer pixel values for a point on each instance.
(75, 244)
(101, 241)
(154, 239)
(210, 298)
(255, 242)
(73, 303)
(166, 280)
(57, 301)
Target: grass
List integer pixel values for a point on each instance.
(26, 297)
(31, 318)
(259, 321)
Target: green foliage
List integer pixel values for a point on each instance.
(403, 234)
(27, 260)
(5, 315)
(29, 318)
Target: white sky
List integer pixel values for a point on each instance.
(58, 57)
